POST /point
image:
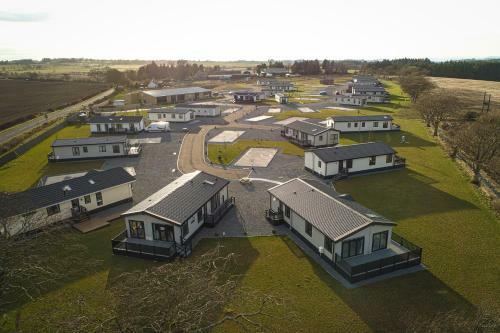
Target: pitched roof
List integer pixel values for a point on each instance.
(175, 91)
(89, 141)
(115, 119)
(48, 195)
(364, 87)
(307, 127)
(339, 153)
(247, 93)
(275, 70)
(182, 198)
(335, 215)
(169, 110)
(361, 118)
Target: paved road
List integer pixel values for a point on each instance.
(27, 126)
(192, 154)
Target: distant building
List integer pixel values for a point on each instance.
(174, 96)
(152, 84)
(91, 148)
(307, 134)
(207, 110)
(274, 71)
(248, 96)
(119, 102)
(174, 115)
(348, 99)
(374, 123)
(281, 98)
(69, 199)
(276, 86)
(373, 94)
(116, 124)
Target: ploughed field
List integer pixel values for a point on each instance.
(21, 100)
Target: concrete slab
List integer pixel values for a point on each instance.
(144, 141)
(259, 118)
(230, 110)
(340, 108)
(308, 99)
(226, 137)
(274, 110)
(289, 120)
(306, 110)
(257, 157)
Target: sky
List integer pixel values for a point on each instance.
(249, 30)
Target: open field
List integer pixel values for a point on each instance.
(21, 99)
(228, 152)
(27, 169)
(432, 201)
(472, 90)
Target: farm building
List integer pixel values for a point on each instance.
(349, 100)
(116, 124)
(69, 199)
(281, 98)
(175, 115)
(357, 241)
(373, 94)
(247, 96)
(204, 110)
(163, 225)
(92, 148)
(375, 123)
(347, 160)
(274, 71)
(308, 134)
(175, 95)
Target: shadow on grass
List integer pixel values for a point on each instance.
(394, 304)
(391, 138)
(401, 194)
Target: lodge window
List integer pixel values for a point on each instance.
(353, 247)
(319, 164)
(87, 199)
(53, 210)
(363, 124)
(379, 240)
(116, 149)
(185, 229)
(287, 211)
(199, 214)
(136, 229)
(102, 149)
(348, 125)
(385, 124)
(76, 151)
(328, 244)
(309, 228)
(163, 232)
(372, 160)
(173, 115)
(355, 124)
(98, 198)
(98, 126)
(375, 124)
(388, 158)
(349, 164)
(321, 138)
(85, 149)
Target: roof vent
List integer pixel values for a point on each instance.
(208, 182)
(372, 215)
(91, 181)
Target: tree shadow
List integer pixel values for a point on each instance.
(410, 194)
(392, 138)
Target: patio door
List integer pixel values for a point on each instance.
(75, 203)
(163, 232)
(341, 166)
(137, 229)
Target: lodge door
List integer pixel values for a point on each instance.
(341, 166)
(163, 232)
(75, 203)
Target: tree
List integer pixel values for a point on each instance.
(415, 85)
(477, 143)
(436, 106)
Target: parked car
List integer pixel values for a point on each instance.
(158, 126)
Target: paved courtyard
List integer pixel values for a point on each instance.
(257, 157)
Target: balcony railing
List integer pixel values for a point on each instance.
(297, 141)
(399, 162)
(273, 217)
(214, 217)
(122, 245)
(355, 273)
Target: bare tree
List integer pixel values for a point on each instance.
(436, 106)
(415, 85)
(478, 143)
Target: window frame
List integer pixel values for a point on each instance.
(85, 149)
(98, 198)
(102, 148)
(53, 210)
(375, 124)
(308, 227)
(388, 158)
(379, 241)
(359, 243)
(133, 231)
(185, 230)
(116, 151)
(87, 199)
(372, 160)
(75, 150)
(287, 211)
(348, 164)
(328, 244)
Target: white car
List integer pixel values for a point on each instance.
(159, 126)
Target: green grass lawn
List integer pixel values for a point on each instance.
(23, 172)
(229, 152)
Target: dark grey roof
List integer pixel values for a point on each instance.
(307, 127)
(89, 141)
(182, 198)
(275, 70)
(247, 93)
(175, 91)
(362, 118)
(115, 119)
(170, 110)
(338, 153)
(335, 215)
(197, 106)
(364, 87)
(48, 195)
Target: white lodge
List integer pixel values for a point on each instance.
(377, 123)
(69, 199)
(116, 124)
(351, 159)
(308, 134)
(91, 148)
(346, 234)
(163, 225)
(174, 115)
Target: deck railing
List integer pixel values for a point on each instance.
(121, 247)
(273, 217)
(356, 273)
(300, 142)
(214, 217)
